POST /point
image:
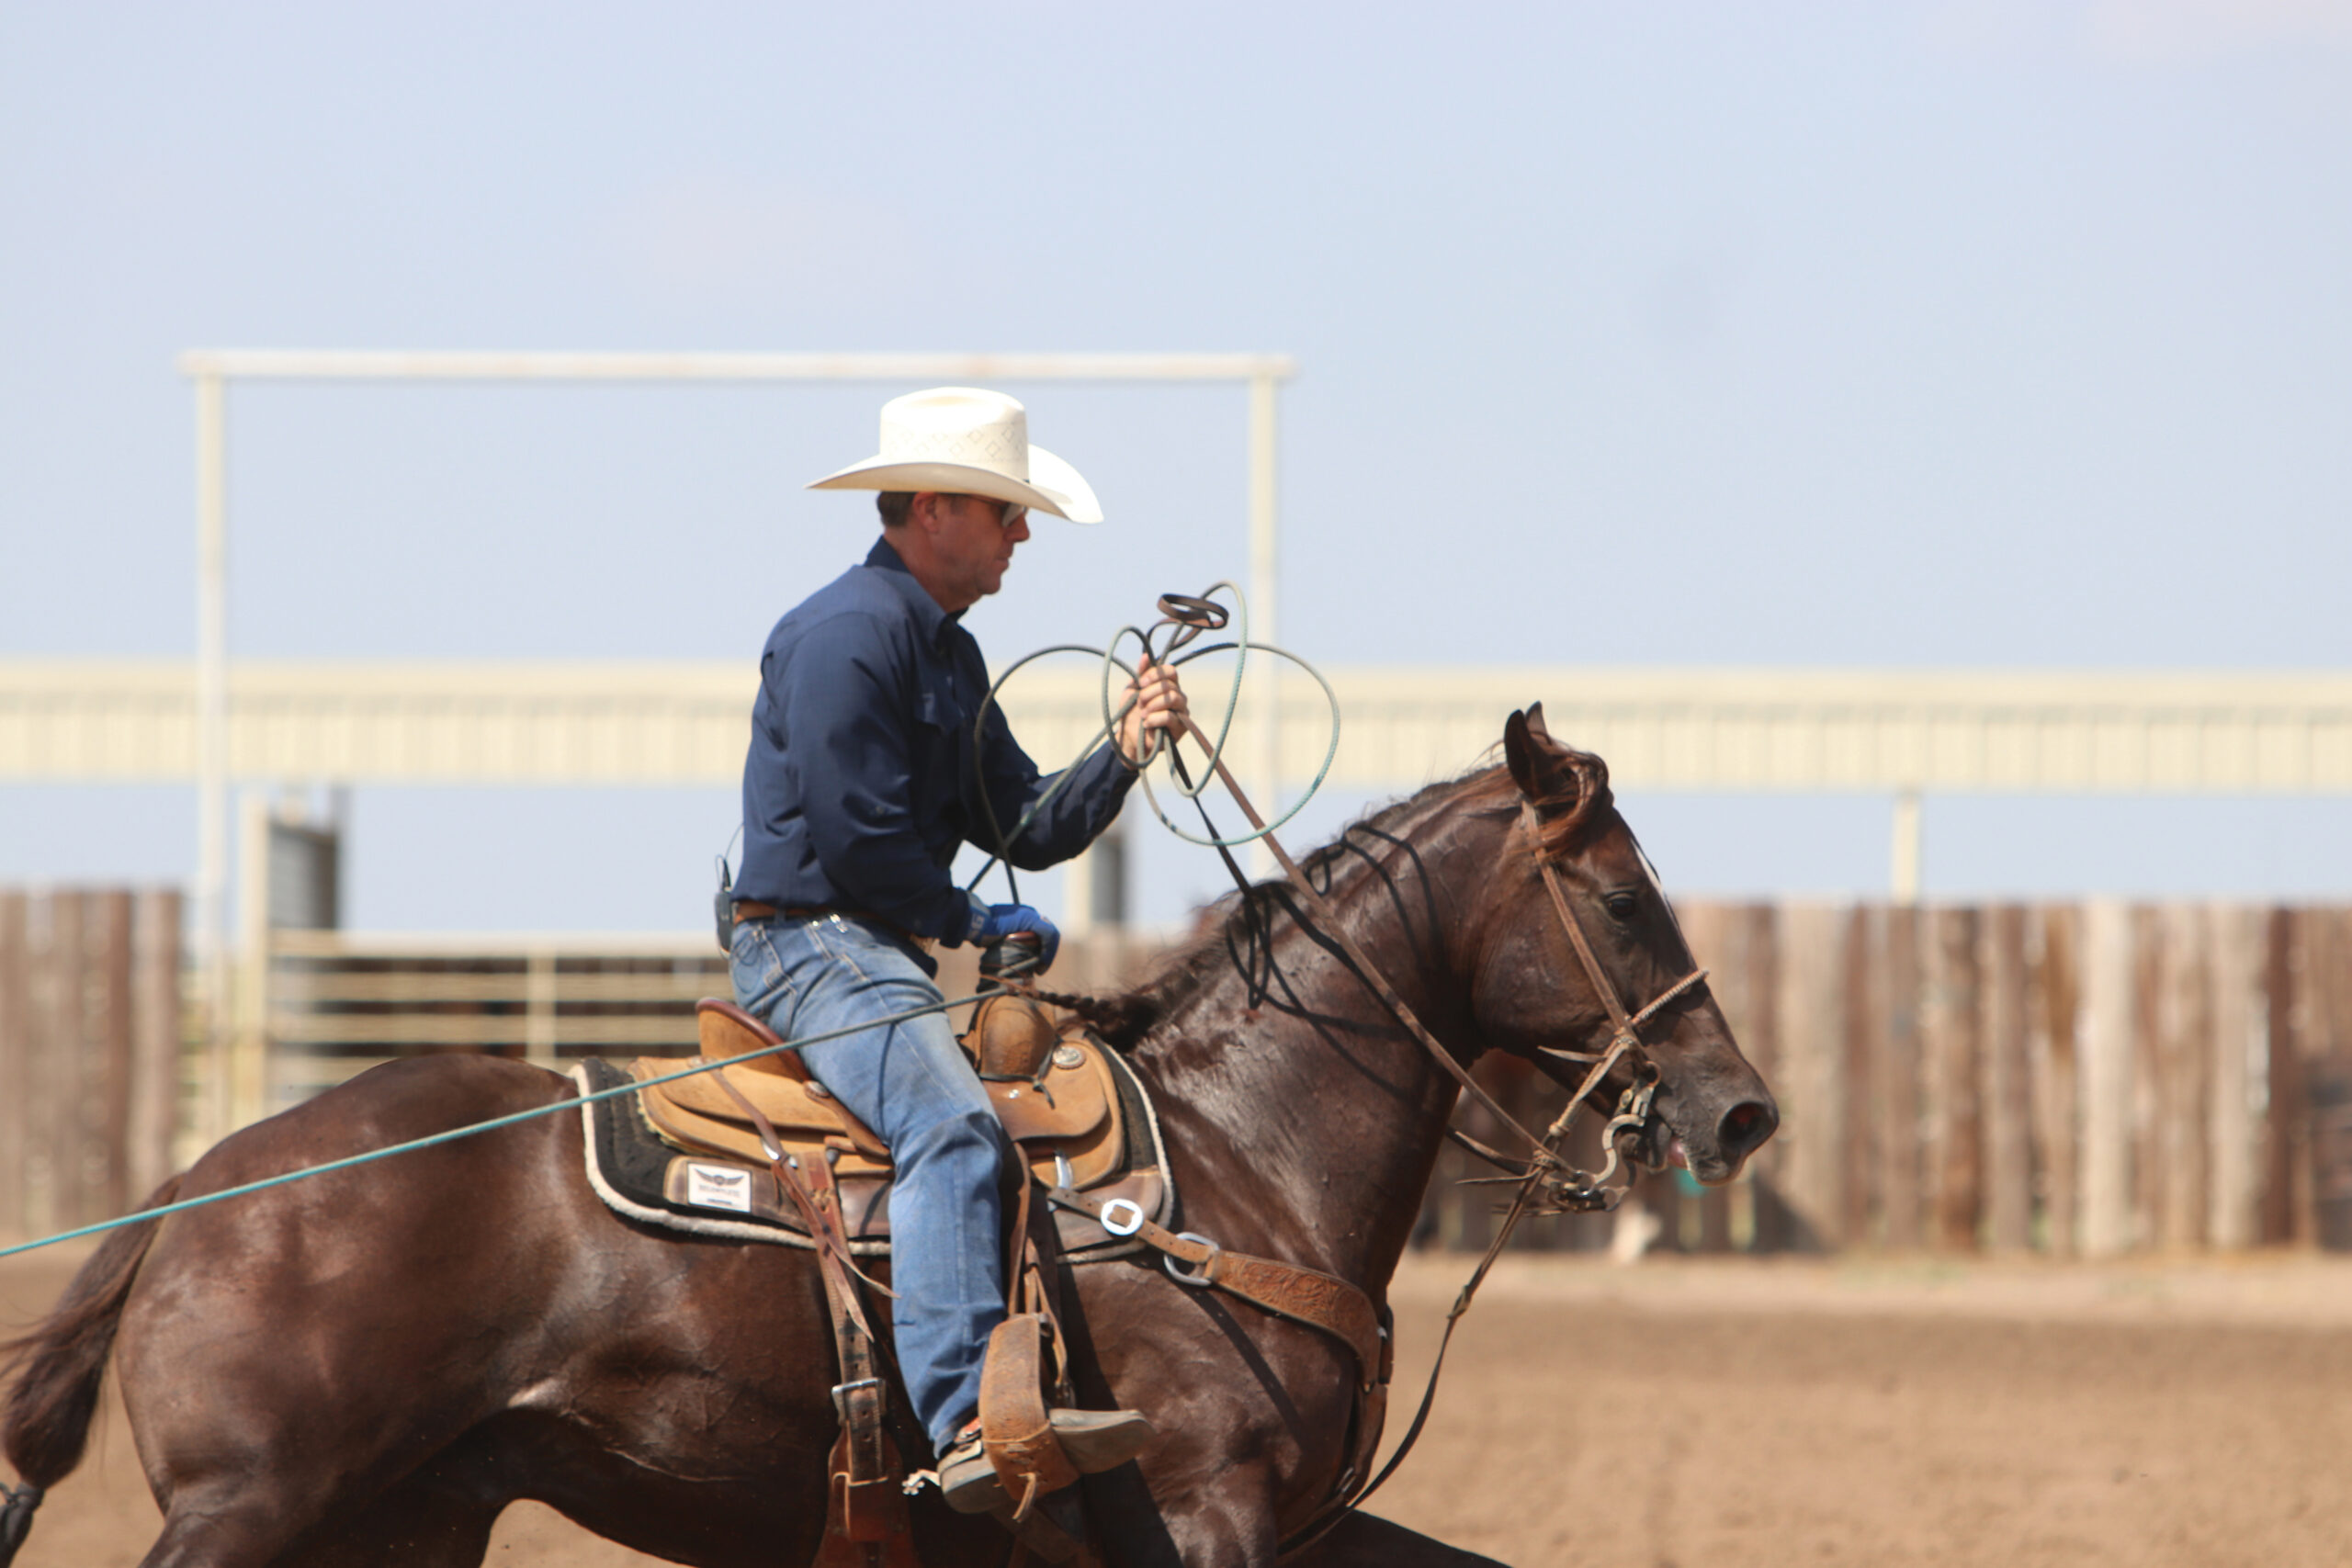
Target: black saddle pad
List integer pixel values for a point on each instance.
(639, 1176)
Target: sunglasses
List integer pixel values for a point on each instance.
(1011, 514)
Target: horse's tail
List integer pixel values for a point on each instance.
(59, 1367)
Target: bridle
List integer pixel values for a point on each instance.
(1544, 1182)
(1561, 1192)
(1548, 1183)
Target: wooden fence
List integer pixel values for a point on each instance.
(91, 1032)
(2076, 1079)
(2073, 1079)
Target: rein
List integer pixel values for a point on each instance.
(1547, 1183)
(1563, 1187)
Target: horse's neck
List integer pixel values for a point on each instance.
(1302, 1114)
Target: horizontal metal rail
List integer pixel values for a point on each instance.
(692, 947)
(313, 364)
(337, 1003)
(516, 987)
(607, 724)
(489, 1030)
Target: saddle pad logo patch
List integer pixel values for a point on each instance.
(718, 1187)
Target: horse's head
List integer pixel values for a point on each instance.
(1531, 994)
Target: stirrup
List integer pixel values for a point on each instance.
(1035, 1451)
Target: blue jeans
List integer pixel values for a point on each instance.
(913, 1084)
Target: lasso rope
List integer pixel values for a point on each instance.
(1210, 616)
(454, 1133)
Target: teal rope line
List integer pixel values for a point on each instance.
(1003, 840)
(1240, 644)
(466, 1131)
(1331, 754)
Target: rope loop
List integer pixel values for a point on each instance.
(1184, 618)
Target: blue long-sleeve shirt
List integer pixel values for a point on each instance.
(859, 783)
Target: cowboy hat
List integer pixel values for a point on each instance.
(962, 441)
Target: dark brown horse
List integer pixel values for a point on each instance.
(366, 1367)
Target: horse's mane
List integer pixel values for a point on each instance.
(1123, 1017)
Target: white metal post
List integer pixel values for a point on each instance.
(212, 369)
(1266, 784)
(1905, 877)
(246, 1091)
(212, 748)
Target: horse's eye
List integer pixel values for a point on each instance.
(1622, 906)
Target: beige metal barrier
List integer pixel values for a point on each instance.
(338, 1003)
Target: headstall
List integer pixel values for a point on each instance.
(1545, 1182)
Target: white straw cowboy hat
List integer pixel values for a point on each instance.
(962, 441)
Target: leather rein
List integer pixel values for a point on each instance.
(1546, 1184)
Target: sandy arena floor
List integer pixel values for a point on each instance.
(1679, 1413)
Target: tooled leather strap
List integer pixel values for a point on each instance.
(1304, 1295)
(1320, 1301)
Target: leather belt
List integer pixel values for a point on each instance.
(752, 910)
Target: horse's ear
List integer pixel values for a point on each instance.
(1538, 764)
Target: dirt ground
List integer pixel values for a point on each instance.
(1681, 1412)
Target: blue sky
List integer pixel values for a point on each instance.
(1888, 335)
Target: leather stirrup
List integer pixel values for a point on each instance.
(1020, 1440)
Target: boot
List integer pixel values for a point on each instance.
(1095, 1439)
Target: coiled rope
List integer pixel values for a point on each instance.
(1183, 617)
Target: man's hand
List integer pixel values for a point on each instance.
(994, 922)
(1159, 705)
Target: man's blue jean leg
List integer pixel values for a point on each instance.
(913, 1084)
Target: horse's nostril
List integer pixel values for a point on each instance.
(1746, 1126)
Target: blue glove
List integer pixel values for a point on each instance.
(994, 922)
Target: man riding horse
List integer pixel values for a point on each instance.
(860, 784)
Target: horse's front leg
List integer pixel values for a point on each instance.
(1185, 1514)
(1251, 1413)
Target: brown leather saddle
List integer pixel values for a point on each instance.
(1053, 1085)
(1058, 1093)
(759, 1151)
